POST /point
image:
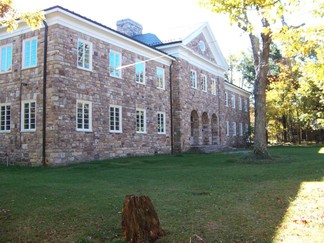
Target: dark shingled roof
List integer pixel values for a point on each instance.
(148, 39)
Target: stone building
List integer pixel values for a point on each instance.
(77, 90)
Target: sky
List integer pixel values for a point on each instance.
(161, 17)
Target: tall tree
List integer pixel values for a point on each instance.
(260, 19)
(9, 16)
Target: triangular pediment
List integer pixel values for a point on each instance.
(203, 43)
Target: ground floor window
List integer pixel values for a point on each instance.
(28, 113)
(227, 128)
(5, 118)
(161, 122)
(140, 121)
(84, 116)
(115, 118)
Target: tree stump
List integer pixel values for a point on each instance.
(140, 223)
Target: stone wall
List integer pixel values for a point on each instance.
(17, 86)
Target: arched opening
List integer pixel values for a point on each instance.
(214, 129)
(194, 118)
(205, 129)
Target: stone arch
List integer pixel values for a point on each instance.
(205, 129)
(194, 121)
(215, 129)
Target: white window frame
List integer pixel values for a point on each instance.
(138, 80)
(240, 103)
(82, 129)
(82, 66)
(226, 99)
(6, 59)
(234, 129)
(241, 128)
(114, 70)
(30, 53)
(5, 118)
(193, 79)
(227, 129)
(161, 123)
(246, 105)
(233, 101)
(114, 119)
(213, 87)
(140, 124)
(31, 115)
(160, 80)
(204, 83)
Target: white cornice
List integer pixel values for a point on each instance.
(179, 50)
(236, 89)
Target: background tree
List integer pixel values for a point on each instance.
(262, 20)
(9, 16)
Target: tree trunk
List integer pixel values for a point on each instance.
(140, 223)
(261, 65)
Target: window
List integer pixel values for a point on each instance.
(226, 99)
(233, 101)
(247, 128)
(193, 78)
(227, 128)
(161, 123)
(140, 72)
(234, 129)
(83, 116)
(6, 58)
(240, 103)
(30, 53)
(84, 54)
(28, 113)
(160, 78)
(114, 63)
(213, 87)
(140, 121)
(204, 83)
(115, 118)
(5, 118)
(241, 129)
(246, 105)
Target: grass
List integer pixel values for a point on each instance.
(217, 197)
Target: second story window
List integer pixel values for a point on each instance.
(233, 101)
(30, 53)
(193, 78)
(246, 105)
(140, 72)
(5, 118)
(226, 99)
(213, 87)
(240, 103)
(84, 55)
(114, 64)
(6, 58)
(160, 78)
(204, 83)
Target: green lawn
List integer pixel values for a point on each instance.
(218, 197)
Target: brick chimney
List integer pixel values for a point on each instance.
(129, 27)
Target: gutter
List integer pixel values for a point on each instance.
(171, 107)
(44, 93)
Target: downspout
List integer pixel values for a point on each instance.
(44, 93)
(171, 107)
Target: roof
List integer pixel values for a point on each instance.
(148, 39)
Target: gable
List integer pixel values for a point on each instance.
(204, 44)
